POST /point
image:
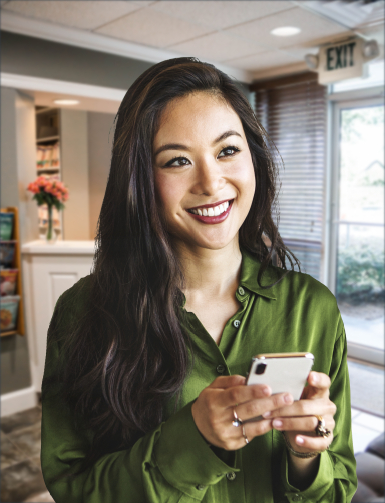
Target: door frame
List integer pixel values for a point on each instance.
(337, 102)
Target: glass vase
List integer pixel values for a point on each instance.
(51, 234)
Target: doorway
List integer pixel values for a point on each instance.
(356, 272)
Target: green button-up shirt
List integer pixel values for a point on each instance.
(173, 463)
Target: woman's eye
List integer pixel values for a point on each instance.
(177, 161)
(228, 151)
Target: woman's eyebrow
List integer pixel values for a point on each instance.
(225, 135)
(170, 146)
(179, 146)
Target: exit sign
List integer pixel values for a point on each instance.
(341, 61)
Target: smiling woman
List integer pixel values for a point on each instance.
(211, 181)
(144, 383)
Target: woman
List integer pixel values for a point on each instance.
(146, 356)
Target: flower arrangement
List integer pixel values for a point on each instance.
(49, 192)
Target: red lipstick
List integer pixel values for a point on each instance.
(215, 219)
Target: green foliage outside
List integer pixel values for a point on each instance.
(360, 274)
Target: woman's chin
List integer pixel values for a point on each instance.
(208, 242)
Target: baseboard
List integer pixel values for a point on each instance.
(18, 401)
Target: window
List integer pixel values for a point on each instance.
(293, 111)
(356, 256)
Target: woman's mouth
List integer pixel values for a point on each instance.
(212, 214)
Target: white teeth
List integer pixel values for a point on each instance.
(213, 211)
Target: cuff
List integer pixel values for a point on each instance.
(185, 459)
(319, 486)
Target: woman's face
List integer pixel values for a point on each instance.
(204, 175)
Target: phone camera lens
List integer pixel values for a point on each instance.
(261, 367)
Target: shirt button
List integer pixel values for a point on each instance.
(241, 291)
(200, 487)
(236, 323)
(220, 369)
(231, 476)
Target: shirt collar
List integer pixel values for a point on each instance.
(249, 275)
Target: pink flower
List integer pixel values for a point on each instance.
(54, 187)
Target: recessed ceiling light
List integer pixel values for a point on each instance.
(66, 102)
(285, 31)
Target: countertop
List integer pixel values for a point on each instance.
(59, 247)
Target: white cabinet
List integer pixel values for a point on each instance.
(49, 270)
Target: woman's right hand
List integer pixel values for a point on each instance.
(213, 410)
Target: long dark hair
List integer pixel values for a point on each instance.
(127, 352)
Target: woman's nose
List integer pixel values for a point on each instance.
(208, 178)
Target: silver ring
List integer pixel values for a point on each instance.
(237, 420)
(321, 429)
(244, 434)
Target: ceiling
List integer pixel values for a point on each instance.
(236, 35)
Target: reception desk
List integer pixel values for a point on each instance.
(49, 270)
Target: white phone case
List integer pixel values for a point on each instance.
(283, 372)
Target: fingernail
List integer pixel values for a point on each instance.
(277, 423)
(315, 378)
(299, 440)
(266, 414)
(266, 391)
(288, 398)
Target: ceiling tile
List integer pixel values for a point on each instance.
(263, 60)
(217, 47)
(220, 14)
(77, 14)
(313, 29)
(149, 27)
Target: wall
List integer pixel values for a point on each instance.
(74, 171)
(45, 59)
(100, 137)
(17, 170)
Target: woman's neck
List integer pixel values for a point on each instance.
(210, 272)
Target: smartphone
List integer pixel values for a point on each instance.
(283, 372)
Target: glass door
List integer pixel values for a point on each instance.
(358, 225)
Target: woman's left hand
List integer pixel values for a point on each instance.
(299, 421)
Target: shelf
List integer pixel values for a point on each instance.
(9, 332)
(39, 170)
(16, 264)
(46, 110)
(48, 150)
(48, 138)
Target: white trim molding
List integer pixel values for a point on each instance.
(279, 71)
(27, 82)
(96, 42)
(18, 401)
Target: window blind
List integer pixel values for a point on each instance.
(293, 112)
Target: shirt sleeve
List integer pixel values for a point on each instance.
(336, 479)
(163, 466)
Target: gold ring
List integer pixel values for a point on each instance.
(237, 420)
(321, 429)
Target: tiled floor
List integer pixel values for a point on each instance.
(21, 476)
(20, 456)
